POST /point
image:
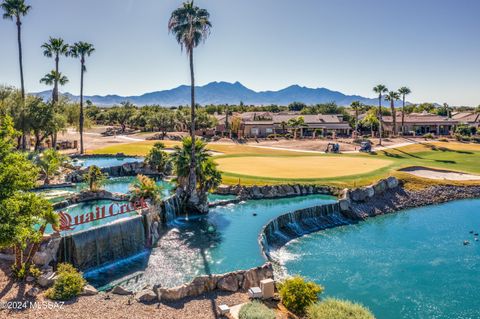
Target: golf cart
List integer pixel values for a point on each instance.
(333, 148)
(366, 147)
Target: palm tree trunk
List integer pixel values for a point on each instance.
(192, 180)
(22, 83)
(394, 117)
(403, 116)
(55, 85)
(380, 130)
(33, 250)
(81, 107)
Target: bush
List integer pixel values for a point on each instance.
(69, 283)
(443, 140)
(297, 294)
(271, 136)
(157, 157)
(288, 136)
(255, 310)
(338, 309)
(476, 139)
(428, 136)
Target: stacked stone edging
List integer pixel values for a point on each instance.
(274, 191)
(127, 169)
(231, 282)
(86, 196)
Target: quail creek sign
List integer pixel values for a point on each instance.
(69, 222)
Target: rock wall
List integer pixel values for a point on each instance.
(274, 191)
(86, 196)
(232, 281)
(127, 169)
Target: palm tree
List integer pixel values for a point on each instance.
(55, 47)
(404, 91)
(296, 123)
(50, 217)
(393, 96)
(380, 89)
(356, 106)
(81, 50)
(15, 9)
(190, 26)
(54, 78)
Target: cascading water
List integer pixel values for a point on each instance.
(97, 246)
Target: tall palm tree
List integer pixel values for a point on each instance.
(55, 47)
(393, 96)
(356, 106)
(404, 91)
(54, 78)
(14, 10)
(380, 89)
(190, 25)
(81, 50)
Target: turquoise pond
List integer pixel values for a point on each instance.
(407, 265)
(104, 161)
(224, 240)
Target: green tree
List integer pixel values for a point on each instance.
(296, 123)
(157, 157)
(380, 89)
(208, 176)
(370, 120)
(55, 47)
(48, 217)
(163, 120)
(122, 114)
(392, 97)
(145, 188)
(190, 25)
(95, 178)
(404, 91)
(296, 106)
(81, 50)
(49, 163)
(357, 106)
(15, 10)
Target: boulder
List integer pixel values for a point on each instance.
(89, 290)
(392, 182)
(229, 282)
(380, 187)
(32, 292)
(119, 290)
(358, 195)
(344, 204)
(46, 279)
(172, 294)
(146, 296)
(370, 191)
(30, 279)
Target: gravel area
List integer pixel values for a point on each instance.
(113, 306)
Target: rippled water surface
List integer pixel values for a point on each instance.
(407, 265)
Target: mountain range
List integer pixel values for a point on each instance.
(226, 93)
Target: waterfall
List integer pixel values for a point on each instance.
(298, 223)
(97, 246)
(171, 209)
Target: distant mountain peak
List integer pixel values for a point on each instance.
(221, 92)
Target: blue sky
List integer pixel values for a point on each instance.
(346, 45)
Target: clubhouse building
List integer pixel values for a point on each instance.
(418, 124)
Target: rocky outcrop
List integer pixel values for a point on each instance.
(127, 169)
(232, 281)
(274, 191)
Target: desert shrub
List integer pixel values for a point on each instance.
(297, 294)
(144, 187)
(69, 283)
(271, 136)
(338, 309)
(476, 139)
(255, 310)
(288, 136)
(443, 140)
(428, 136)
(34, 271)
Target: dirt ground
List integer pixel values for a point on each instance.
(106, 306)
(94, 140)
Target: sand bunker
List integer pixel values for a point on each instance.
(440, 174)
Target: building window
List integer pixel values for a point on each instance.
(269, 130)
(254, 131)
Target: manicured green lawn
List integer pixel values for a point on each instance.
(238, 163)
